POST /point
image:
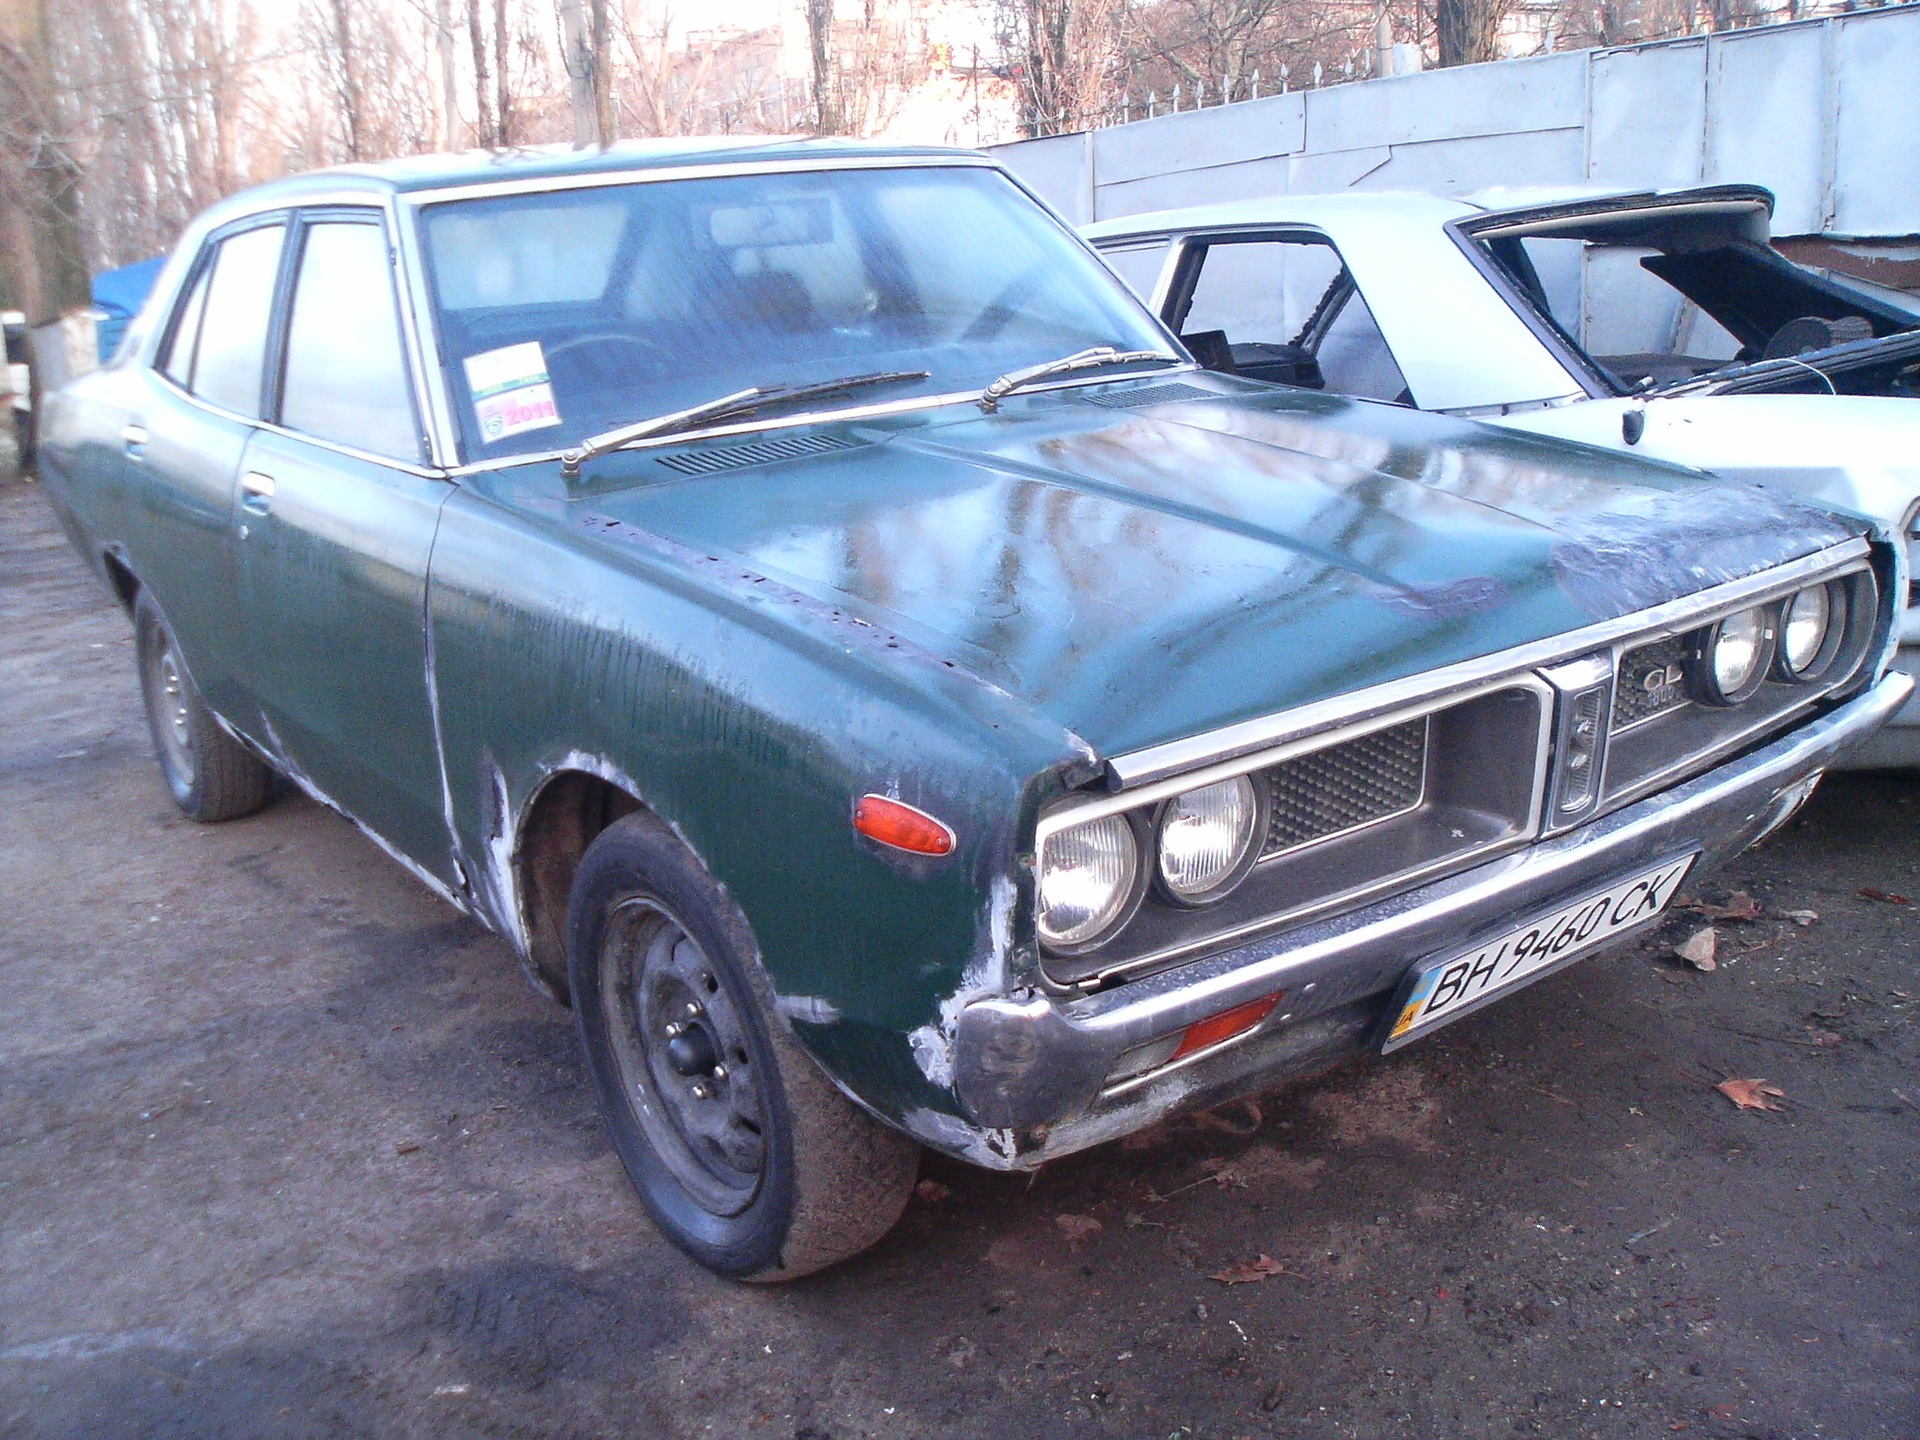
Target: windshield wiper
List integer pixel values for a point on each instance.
(741, 402)
(1098, 355)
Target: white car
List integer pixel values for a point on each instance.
(13, 325)
(1657, 322)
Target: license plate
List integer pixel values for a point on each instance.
(1441, 990)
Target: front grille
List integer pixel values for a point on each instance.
(1161, 394)
(1346, 786)
(756, 452)
(1650, 682)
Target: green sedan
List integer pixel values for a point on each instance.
(868, 670)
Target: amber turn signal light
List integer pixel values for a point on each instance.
(1203, 1034)
(901, 826)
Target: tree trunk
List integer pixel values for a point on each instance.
(1467, 32)
(576, 53)
(483, 127)
(43, 178)
(826, 116)
(443, 43)
(503, 92)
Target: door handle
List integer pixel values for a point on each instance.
(256, 492)
(133, 439)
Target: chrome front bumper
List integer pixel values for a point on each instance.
(1897, 746)
(1035, 1068)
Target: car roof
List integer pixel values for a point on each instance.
(566, 163)
(1332, 210)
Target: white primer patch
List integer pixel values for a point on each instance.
(990, 1149)
(814, 1009)
(932, 1043)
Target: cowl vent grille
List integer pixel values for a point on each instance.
(754, 452)
(1150, 395)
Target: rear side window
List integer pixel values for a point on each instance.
(346, 376)
(228, 358)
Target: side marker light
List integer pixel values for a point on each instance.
(901, 826)
(1228, 1023)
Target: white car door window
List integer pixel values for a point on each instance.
(1289, 312)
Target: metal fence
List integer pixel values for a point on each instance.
(1825, 112)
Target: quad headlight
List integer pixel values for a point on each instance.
(1813, 624)
(1207, 839)
(1089, 881)
(1731, 663)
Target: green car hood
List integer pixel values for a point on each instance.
(1140, 572)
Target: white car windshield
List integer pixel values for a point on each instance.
(570, 312)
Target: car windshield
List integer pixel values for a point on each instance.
(572, 312)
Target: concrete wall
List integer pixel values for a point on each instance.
(1826, 113)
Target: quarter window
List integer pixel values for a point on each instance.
(346, 376)
(178, 364)
(230, 355)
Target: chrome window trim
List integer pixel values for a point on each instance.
(425, 472)
(715, 170)
(1152, 765)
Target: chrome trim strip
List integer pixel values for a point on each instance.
(423, 471)
(1380, 885)
(434, 406)
(721, 169)
(1145, 767)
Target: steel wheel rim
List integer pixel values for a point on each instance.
(682, 1054)
(167, 702)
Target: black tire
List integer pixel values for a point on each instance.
(211, 776)
(743, 1152)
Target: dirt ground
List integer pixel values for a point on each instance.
(287, 1148)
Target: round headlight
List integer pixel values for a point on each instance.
(1811, 629)
(1733, 661)
(1207, 840)
(1089, 881)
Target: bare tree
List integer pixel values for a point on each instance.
(1067, 58)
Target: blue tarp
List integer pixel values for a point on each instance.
(118, 296)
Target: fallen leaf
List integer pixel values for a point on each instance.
(1078, 1227)
(1885, 897)
(406, 1147)
(1822, 1037)
(1275, 1397)
(1698, 949)
(1740, 906)
(1751, 1094)
(932, 1191)
(1800, 917)
(1248, 1271)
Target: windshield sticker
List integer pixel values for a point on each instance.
(510, 391)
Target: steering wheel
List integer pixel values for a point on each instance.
(1004, 306)
(606, 357)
